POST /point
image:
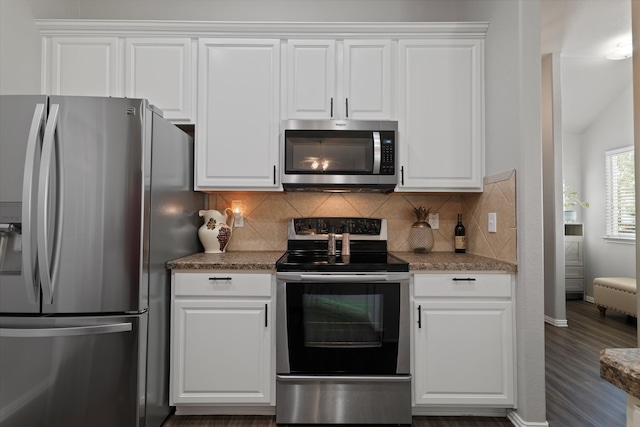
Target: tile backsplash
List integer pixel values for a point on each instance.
(266, 215)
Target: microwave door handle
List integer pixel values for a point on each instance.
(377, 153)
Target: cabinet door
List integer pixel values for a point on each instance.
(367, 80)
(85, 66)
(463, 353)
(160, 70)
(310, 79)
(441, 104)
(573, 251)
(221, 352)
(237, 132)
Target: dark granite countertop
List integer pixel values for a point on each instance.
(621, 367)
(241, 260)
(451, 261)
(265, 260)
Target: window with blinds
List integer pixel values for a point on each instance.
(621, 201)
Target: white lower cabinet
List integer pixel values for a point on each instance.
(463, 340)
(222, 340)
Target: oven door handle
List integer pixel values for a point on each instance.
(344, 278)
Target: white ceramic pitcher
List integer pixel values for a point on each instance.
(215, 233)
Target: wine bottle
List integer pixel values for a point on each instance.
(460, 243)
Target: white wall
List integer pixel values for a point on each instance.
(512, 78)
(613, 129)
(572, 151)
(552, 149)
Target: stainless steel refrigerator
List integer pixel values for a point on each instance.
(96, 194)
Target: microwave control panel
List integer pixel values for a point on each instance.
(387, 160)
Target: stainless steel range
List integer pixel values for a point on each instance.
(342, 354)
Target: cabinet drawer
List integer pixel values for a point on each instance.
(462, 285)
(574, 285)
(220, 283)
(573, 272)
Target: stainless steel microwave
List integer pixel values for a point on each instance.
(340, 155)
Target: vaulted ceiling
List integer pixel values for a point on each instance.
(584, 32)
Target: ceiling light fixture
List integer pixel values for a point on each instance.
(622, 51)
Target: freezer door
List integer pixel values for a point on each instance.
(22, 121)
(90, 205)
(72, 372)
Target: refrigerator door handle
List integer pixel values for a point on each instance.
(64, 332)
(29, 255)
(48, 265)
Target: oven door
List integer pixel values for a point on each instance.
(343, 324)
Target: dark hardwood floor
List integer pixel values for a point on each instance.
(576, 395)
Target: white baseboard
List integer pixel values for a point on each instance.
(515, 419)
(561, 323)
(587, 298)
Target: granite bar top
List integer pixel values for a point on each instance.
(265, 260)
(621, 367)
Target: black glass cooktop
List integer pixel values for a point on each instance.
(320, 262)
(307, 246)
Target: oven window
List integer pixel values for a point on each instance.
(343, 328)
(342, 320)
(343, 152)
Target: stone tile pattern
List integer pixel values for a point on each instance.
(265, 260)
(266, 215)
(621, 367)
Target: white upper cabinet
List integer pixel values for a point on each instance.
(310, 79)
(441, 106)
(329, 79)
(238, 114)
(160, 70)
(241, 79)
(81, 66)
(367, 79)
